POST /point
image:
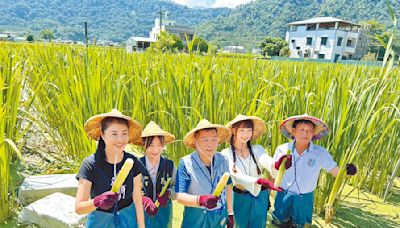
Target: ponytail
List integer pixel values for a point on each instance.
(101, 150)
(233, 154)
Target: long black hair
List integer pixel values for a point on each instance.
(246, 124)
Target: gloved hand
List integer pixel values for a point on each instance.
(149, 206)
(105, 200)
(208, 201)
(351, 169)
(163, 200)
(288, 162)
(231, 222)
(267, 183)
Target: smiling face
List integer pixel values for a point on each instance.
(115, 135)
(207, 141)
(303, 132)
(243, 131)
(154, 147)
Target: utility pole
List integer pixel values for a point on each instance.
(86, 34)
(161, 15)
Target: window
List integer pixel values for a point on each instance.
(348, 43)
(321, 56)
(337, 56)
(298, 48)
(293, 41)
(324, 40)
(311, 27)
(339, 41)
(329, 25)
(309, 40)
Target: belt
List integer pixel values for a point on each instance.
(239, 191)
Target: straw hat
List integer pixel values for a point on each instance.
(223, 132)
(93, 126)
(259, 124)
(152, 129)
(321, 129)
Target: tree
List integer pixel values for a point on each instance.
(47, 34)
(272, 47)
(284, 52)
(178, 44)
(378, 36)
(369, 57)
(200, 45)
(167, 43)
(30, 38)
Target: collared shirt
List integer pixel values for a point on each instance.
(152, 170)
(246, 170)
(302, 177)
(193, 177)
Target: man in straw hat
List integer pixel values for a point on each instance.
(251, 189)
(98, 172)
(294, 206)
(159, 174)
(198, 175)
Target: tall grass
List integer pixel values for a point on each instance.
(13, 105)
(359, 105)
(378, 101)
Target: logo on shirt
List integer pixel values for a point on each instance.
(312, 162)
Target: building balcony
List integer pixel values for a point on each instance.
(349, 49)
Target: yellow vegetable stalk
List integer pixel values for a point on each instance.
(123, 173)
(221, 184)
(163, 190)
(282, 170)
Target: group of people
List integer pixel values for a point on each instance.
(144, 199)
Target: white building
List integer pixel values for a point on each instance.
(326, 38)
(234, 49)
(170, 26)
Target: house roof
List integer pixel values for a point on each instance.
(143, 39)
(320, 20)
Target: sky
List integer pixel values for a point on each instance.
(212, 3)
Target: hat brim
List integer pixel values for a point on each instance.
(320, 130)
(259, 125)
(168, 137)
(93, 127)
(222, 132)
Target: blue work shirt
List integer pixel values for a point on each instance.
(302, 177)
(195, 179)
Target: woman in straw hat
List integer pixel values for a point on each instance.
(98, 171)
(294, 206)
(198, 175)
(156, 176)
(250, 191)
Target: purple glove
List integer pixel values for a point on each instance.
(149, 206)
(288, 163)
(231, 222)
(208, 201)
(163, 200)
(267, 183)
(351, 169)
(106, 200)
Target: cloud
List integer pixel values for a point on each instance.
(229, 3)
(212, 3)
